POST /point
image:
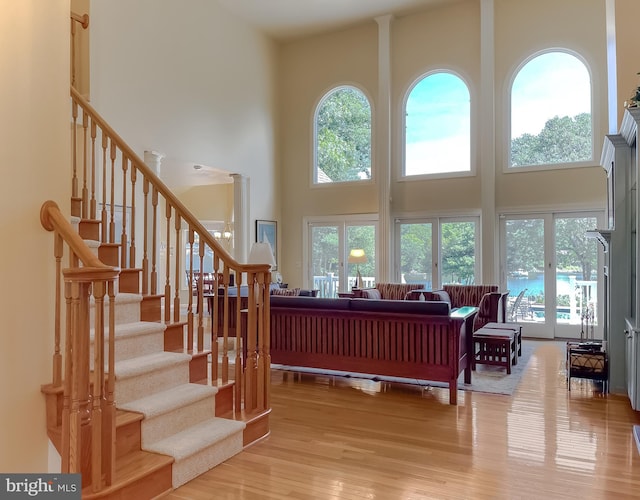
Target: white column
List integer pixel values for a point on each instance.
(612, 66)
(241, 223)
(383, 147)
(485, 111)
(153, 159)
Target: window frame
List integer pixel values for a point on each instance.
(436, 221)
(507, 167)
(314, 137)
(342, 223)
(403, 177)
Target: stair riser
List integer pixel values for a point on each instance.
(194, 465)
(162, 426)
(137, 387)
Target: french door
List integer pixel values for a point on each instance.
(553, 273)
(329, 243)
(437, 251)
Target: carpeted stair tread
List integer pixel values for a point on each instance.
(166, 401)
(149, 363)
(196, 438)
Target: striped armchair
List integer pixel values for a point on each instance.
(486, 298)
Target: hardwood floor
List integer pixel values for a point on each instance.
(336, 438)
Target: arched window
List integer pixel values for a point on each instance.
(438, 126)
(551, 120)
(343, 137)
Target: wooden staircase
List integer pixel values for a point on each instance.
(112, 447)
(139, 473)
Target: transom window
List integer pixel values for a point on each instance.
(438, 126)
(551, 120)
(343, 137)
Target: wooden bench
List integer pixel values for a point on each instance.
(494, 347)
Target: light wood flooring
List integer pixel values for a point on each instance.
(334, 438)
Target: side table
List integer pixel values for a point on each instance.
(588, 360)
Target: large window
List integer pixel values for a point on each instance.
(438, 126)
(438, 251)
(551, 120)
(343, 137)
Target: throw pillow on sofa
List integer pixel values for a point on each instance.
(370, 293)
(286, 292)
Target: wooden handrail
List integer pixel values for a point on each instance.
(163, 189)
(52, 219)
(88, 404)
(83, 19)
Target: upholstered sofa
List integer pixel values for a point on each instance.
(410, 339)
(487, 298)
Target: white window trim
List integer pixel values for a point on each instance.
(402, 140)
(314, 139)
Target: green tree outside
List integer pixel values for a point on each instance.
(562, 140)
(344, 136)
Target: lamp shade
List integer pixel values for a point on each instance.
(261, 253)
(357, 256)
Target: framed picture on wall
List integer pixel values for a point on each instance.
(267, 231)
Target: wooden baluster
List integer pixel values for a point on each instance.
(225, 330)
(260, 338)
(262, 329)
(103, 215)
(167, 284)
(112, 208)
(202, 306)
(74, 152)
(200, 296)
(123, 236)
(240, 385)
(266, 345)
(85, 161)
(132, 229)
(215, 319)
(145, 243)
(178, 267)
(109, 430)
(93, 211)
(73, 52)
(154, 242)
(68, 377)
(190, 280)
(200, 293)
(250, 402)
(58, 251)
(99, 290)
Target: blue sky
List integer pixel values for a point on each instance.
(437, 121)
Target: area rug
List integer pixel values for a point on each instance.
(486, 378)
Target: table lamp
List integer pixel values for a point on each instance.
(357, 257)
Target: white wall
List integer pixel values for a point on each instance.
(34, 164)
(448, 36)
(190, 81)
